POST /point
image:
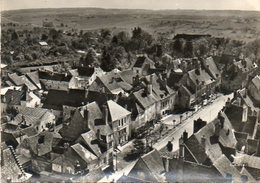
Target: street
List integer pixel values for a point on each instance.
(207, 113)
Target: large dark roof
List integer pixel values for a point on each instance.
(141, 60)
(86, 71)
(191, 36)
(56, 99)
(54, 76)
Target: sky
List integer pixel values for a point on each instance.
(135, 4)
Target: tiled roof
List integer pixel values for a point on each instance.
(90, 139)
(17, 80)
(142, 172)
(34, 77)
(104, 129)
(184, 171)
(54, 76)
(248, 160)
(40, 144)
(33, 115)
(14, 97)
(197, 150)
(256, 82)
(21, 80)
(56, 99)
(10, 169)
(116, 111)
(225, 167)
(212, 67)
(94, 114)
(154, 162)
(200, 77)
(245, 172)
(127, 76)
(255, 172)
(83, 153)
(257, 135)
(144, 99)
(142, 60)
(252, 146)
(92, 176)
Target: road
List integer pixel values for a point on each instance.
(207, 113)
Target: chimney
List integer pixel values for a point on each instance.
(185, 136)
(203, 141)
(150, 85)
(167, 163)
(181, 148)
(245, 93)
(4, 99)
(105, 114)
(245, 113)
(217, 128)
(86, 113)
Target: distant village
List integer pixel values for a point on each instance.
(153, 118)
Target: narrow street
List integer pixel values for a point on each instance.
(207, 113)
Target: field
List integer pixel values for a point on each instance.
(240, 25)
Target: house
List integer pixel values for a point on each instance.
(56, 99)
(199, 83)
(148, 168)
(242, 114)
(211, 147)
(22, 97)
(86, 76)
(38, 145)
(254, 89)
(151, 98)
(92, 176)
(212, 69)
(16, 80)
(76, 160)
(56, 81)
(179, 170)
(74, 126)
(236, 75)
(34, 78)
(40, 119)
(142, 65)
(11, 170)
(43, 43)
(110, 83)
(119, 119)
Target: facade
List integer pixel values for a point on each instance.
(254, 89)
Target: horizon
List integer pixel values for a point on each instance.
(241, 5)
(179, 9)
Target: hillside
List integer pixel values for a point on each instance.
(241, 25)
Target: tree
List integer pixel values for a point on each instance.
(44, 37)
(90, 57)
(14, 36)
(107, 63)
(105, 34)
(53, 34)
(177, 46)
(188, 49)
